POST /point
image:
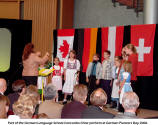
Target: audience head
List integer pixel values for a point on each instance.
(80, 93)
(3, 85)
(18, 86)
(72, 54)
(130, 48)
(32, 91)
(130, 101)
(25, 106)
(50, 92)
(4, 106)
(127, 65)
(107, 54)
(117, 61)
(95, 57)
(29, 48)
(98, 97)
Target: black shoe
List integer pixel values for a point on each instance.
(113, 104)
(64, 102)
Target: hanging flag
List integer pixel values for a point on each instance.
(79, 44)
(112, 40)
(142, 37)
(65, 39)
(89, 41)
(99, 43)
(86, 49)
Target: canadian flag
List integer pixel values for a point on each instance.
(65, 39)
(142, 36)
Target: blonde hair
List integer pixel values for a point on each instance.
(132, 48)
(25, 106)
(80, 92)
(32, 91)
(127, 66)
(98, 97)
(4, 101)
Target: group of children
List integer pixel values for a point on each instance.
(113, 78)
(70, 70)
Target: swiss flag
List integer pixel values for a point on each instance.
(65, 39)
(142, 36)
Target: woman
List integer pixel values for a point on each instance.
(31, 61)
(4, 106)
(25, 106)
(133, 58)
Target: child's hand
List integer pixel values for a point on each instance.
(119, 91)
(117, 83)
(87, 80)
(111, 83)
(97, 82)
(77, 78)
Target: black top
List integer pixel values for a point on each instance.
(95, 112)
(13, 97)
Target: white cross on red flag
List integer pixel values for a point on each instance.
(142, 37)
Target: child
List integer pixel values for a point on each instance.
(71, 74)
(93, 74)
(41, 79)
(57, 75)
(107, 75)
(117, 70)
(125, 84)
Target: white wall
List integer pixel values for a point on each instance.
(101, 13)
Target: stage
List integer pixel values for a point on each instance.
(141, 113)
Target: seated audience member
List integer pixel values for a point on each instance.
(18, 88)
(24, 107)
(32, 91)
(98, 99)
(3, 86)
(4, 106)
(130, 103)
(75, 108)
(42, 116)
(49, 106)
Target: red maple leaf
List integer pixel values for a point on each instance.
(64, 49)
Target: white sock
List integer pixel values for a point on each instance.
(64, 100)
(56, 100)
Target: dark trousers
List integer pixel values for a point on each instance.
(91, 86)
(120, 108)
(135, 87)
(105, 85)
(30, 80)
